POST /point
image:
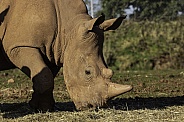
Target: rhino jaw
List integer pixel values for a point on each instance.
(117, 89)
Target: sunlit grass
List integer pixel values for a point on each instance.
(157, 96)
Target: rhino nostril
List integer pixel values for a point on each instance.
(90, 106)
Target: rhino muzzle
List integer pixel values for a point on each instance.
(96, 94)
(95, 99)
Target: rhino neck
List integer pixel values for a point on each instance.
(69, 15)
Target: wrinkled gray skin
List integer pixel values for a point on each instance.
(41, 36)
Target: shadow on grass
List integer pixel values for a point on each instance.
(16, 110)
(145, 103)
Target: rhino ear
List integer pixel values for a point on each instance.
(112, 24)
(4, 5)
(3, 13)
(95, 22)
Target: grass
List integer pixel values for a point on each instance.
(158, 96)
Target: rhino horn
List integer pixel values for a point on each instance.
(117, 89)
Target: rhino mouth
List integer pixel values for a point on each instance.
(93, 104)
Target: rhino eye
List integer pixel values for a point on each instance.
(87, 72)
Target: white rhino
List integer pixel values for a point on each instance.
(41, 36)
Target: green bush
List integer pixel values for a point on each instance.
(146, 45)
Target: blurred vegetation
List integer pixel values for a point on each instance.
(146, 45)
(144, 9)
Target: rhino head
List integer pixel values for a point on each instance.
(86, 74)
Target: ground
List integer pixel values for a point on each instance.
(157, 96)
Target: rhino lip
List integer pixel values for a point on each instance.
(90, 105)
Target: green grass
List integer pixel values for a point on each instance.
(158, 95)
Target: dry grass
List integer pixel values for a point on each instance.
(158, 96)
(169, 114)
